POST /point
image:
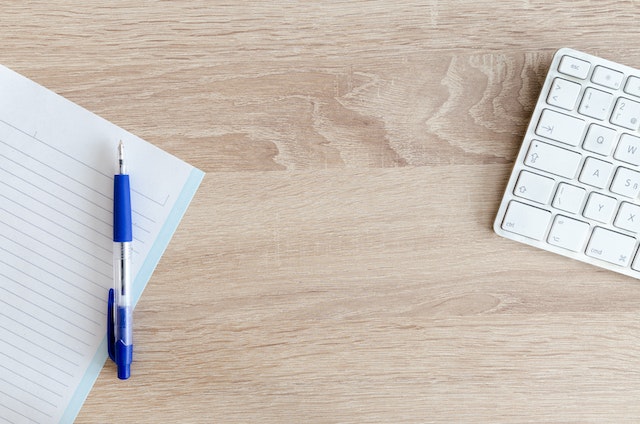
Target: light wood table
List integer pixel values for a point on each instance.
(338, 263)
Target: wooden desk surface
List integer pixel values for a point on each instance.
(338, 262)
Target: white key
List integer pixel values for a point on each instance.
(599, 139)
(626, 114)
(568, 233)
(628, 217)
(563, 93)
(626, 182)
(596, 172)
(633, 86)
(607, 77)
(610, 246)
(600, 207)
(595, 103)
(526, 220)
(575, 67)
(636, 263)
(569, 198)
(552, 159)
(534, 187)
(628, 149)
(560, 127)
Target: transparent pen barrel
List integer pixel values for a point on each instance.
(122, 289)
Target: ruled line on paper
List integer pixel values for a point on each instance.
(89, 227)
(75, 180)
(62, 252)
(161, 203)
(51, 339)
(75, 194)
(76, 287)
(31, 381)
(43, 309)
(46, 298)
(58, 224)
(21, 377)
(63, 153)
(107, 198)
(41, 321)
(30, 393)
(58, 198)
(37, 371)
(37, 358)
(15, 412)
(151, 220)
(33, 343)
(60, 239)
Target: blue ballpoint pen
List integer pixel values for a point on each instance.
(120, 323)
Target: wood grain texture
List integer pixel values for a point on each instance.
(338, 262)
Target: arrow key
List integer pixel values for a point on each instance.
(568, 233)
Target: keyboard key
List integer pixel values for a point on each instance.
(534, 187)
(596, 172)
(568, 233)
(553, 159)
(628, 149)
(599, 139)
(560, 127)
(628, 217)
(563, 93)
(626, 114)
(611, 246)
(636, 263)
(600, 207)
(526, 220)
(626, 182)
(569, 198)
(633, 86)
(569, 65)
(595, 103)
(607, 77)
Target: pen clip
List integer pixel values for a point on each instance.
(111, 335)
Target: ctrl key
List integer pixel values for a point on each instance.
(526, 220)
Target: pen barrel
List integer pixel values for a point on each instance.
(122, 289)
(122, 237)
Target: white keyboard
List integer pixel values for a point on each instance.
(575, 183)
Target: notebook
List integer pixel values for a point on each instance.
(57, 162)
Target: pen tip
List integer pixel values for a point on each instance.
(121, 165)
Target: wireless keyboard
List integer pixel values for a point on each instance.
(575, 183)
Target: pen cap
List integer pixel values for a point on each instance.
(121, 209)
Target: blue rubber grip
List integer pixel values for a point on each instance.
(121, 209)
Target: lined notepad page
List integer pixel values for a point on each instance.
(57, 162)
